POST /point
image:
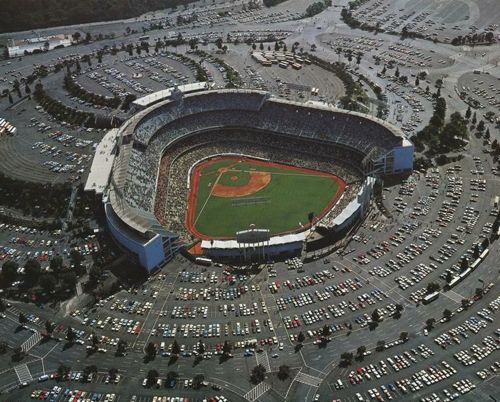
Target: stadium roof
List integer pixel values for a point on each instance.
(274, 241)
(160, 95)
(102, 163)
(353, 206)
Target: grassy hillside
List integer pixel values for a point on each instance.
(21, 15)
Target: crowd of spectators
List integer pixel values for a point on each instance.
(192, 104)
(342, 127)
(286, 128)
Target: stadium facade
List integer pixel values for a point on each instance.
(370, 145)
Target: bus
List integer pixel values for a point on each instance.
(484, 254)
(475, 264)
(455, 281)
(144, 38)
(430, 298)
(203, 261)
(497, 201)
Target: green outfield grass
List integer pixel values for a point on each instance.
(289, 198)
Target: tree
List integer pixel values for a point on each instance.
(3, 306)
(358, 58)
(261, 46)
(176, 349)
(70, 335)
(347, 357)
(18, 354)
(218, 43)
(56, 264)
(480, 126)
(447, 314)
(465, 303)
(95, 340)
(48, 282)
(88, 370)
(325, 331)
(429, 323)
(151, 350)
(403, 336)
(417, 81)
(76, 258)
(63, 371)
(468, 113)
(49, 327)
(485, 244)
(94, 275)
(69, 279)
(478, 292)
(258, 374)
(433, 287)
(152, 377)
(396, 73)
(32, 272)
(464, 264)
(476, 252)
(376, 315)
(283, 372)
(22, 318)
(226, 348)
(121, 347)
(201, 347)
(449, 276)
(171, 376)
(380, 346)
(3, 347)
(9, 271)
(198, 381)
(301, 337)
(361, 350)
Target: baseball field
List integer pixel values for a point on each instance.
(228, 194)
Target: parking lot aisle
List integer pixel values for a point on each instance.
(257, 391)
(23, 373)
(157, 316)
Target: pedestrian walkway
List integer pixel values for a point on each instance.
(23, 373)
(31, 341)
(257, 391)
(263, 358)
(308, 379)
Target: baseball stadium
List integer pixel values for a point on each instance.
(239, 175)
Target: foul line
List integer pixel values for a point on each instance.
(206, 201)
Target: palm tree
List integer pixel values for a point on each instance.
(338, 50)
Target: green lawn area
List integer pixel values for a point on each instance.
(292, 196)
